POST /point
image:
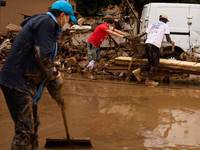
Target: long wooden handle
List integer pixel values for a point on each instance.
(65, 124)
(64, 116)
(129, 67)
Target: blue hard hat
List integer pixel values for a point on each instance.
(65, 7)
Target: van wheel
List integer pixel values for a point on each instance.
(173, 56)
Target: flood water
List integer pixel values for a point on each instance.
(118, 115)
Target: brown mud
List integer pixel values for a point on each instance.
(118, 115)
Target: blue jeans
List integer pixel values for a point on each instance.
(24, 114)
(93, 52)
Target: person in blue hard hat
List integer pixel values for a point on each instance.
(30, 67)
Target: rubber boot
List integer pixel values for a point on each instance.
(91, 75)
(86, 70)
(136, 73)
(150, 82)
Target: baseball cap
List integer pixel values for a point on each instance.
(164, 16)
(65, 7)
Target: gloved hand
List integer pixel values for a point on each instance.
(52, 73)
(54, 87)
(58, 81)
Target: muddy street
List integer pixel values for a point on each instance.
(118, 115)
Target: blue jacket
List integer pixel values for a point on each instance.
(31, 56)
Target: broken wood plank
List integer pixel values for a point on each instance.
(167, 65)
(185, 65)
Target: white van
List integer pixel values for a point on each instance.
(184, 23)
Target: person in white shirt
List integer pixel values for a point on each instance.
(155, 34)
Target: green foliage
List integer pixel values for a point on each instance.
(92, 7)
(138, 4)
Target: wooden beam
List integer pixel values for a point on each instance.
(165, 65)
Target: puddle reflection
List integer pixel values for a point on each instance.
(176, 127)
(137, 117)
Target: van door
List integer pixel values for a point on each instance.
(145, 17)
(144, 21)
(194, 25)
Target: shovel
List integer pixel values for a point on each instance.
(68, 142)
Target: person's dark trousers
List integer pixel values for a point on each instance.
(24, 114)
(153, 56)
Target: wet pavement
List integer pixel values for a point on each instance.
(118, 115)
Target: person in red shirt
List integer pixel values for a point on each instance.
(94, 42)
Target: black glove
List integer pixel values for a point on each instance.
(54, 87)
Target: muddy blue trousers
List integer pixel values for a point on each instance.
(24, 114)
(93, 52)
(153, 56)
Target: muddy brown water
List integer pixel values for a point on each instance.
(118, 115)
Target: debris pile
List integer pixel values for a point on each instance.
(4, 50)
(72, 49)
(6, 40)
(195, 56)
(73, 58)
(72, 52)
(72, 45)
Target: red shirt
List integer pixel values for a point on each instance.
(98, 35)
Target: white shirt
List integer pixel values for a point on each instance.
(156, 32)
